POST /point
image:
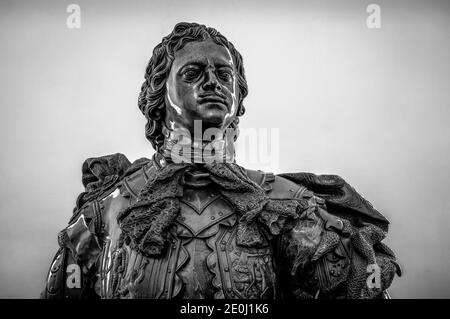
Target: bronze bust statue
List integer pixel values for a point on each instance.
(194, 224)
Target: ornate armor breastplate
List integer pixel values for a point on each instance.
(201, 261)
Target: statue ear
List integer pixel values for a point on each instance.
(241, 109)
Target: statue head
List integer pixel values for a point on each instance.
(194, 74)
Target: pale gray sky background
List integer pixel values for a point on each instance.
(371, 105)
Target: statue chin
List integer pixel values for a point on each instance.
(214, 118)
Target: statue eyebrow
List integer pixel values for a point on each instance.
(199, 62)
(224, 65)
(203, 63)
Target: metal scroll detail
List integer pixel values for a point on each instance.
(245, 273)
(128, 274)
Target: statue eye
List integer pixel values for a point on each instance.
(190, 74)
(225, 75)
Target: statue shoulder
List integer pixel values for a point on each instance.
(341, 198)
(103, 175)
(110, 181)
(276, 187)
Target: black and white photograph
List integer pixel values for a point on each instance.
(225, 150)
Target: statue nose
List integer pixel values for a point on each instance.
(211, 82)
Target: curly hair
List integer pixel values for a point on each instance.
(152, 96)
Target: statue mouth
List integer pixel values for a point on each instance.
(212, 99)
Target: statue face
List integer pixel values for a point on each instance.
(202, 85)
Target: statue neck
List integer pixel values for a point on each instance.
(179, 146)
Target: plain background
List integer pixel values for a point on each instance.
(371, 105)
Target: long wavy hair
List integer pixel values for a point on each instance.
(152, 96)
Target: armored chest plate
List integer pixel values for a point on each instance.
(200, 210)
